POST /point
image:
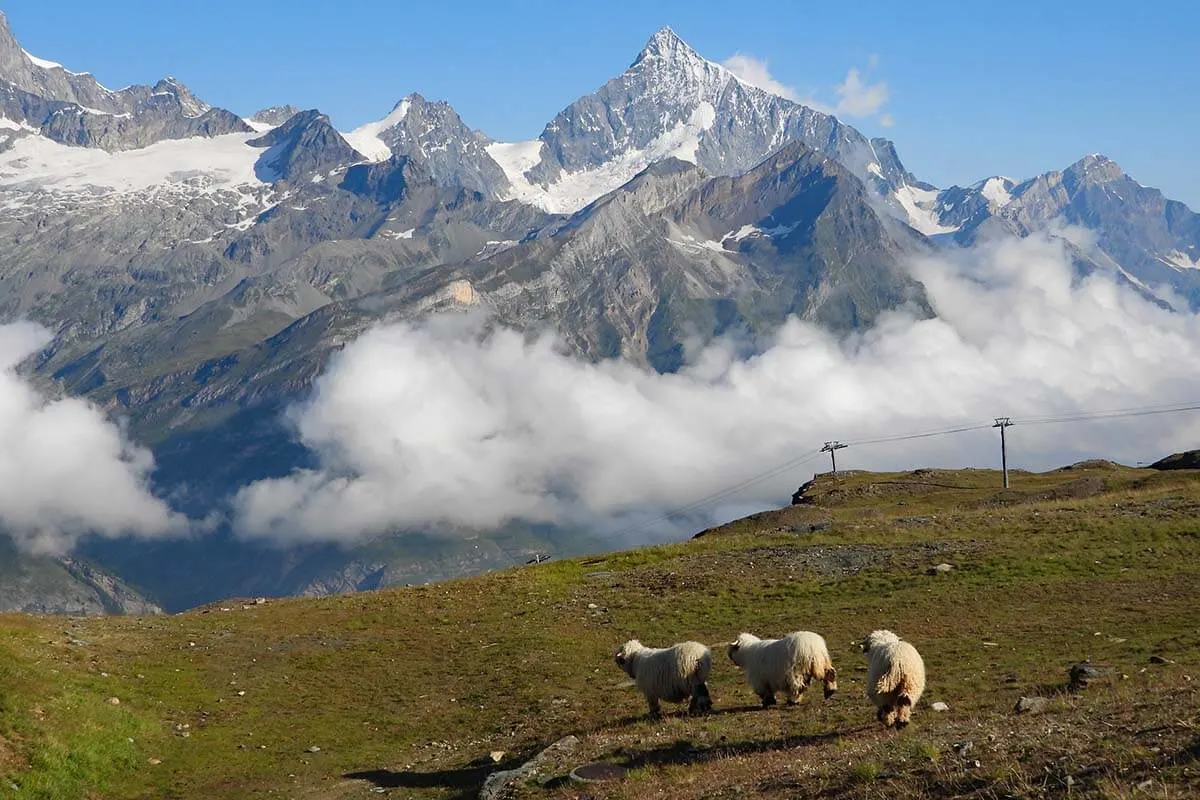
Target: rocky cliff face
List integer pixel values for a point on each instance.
(46, 585)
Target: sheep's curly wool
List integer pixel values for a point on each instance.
(895, 677)
(788, 664)
(672, 673)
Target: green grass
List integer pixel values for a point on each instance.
(409, 690)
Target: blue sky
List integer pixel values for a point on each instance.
(973, 90)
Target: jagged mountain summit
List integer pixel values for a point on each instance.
(670, 103)
(1138, 234)
(73, 108)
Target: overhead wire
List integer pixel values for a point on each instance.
(800, 460)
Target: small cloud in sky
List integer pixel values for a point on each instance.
(755, 72)
(858, 98)
(857, 95)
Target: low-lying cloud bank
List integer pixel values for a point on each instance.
(436, 424)
(65, 470)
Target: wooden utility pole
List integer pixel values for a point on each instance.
(1002, 423)
(832, 448)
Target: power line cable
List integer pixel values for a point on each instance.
(796, 462)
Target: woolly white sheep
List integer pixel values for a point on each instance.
(895, 677)
(788, 664)
(673, 673)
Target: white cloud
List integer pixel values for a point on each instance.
(65, 470)
(857, 98)
(755, 72)
(437, 424)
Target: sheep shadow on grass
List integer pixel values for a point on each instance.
(634, 719)
(684, 753)
(468, 780)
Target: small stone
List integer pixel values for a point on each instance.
(242, 693)
(991, 644)
(976, 764)
(497, 756)
(963, 748)
(258, 601)
(942, 569)
(191, 644)
(1145, 786)
(154, 762)
(940, 706)
(592, 605)
(1031, 705)
(1083, 673)
(1160, 660)
(114, 701)
(314, 749)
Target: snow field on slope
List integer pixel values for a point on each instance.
(574, 190)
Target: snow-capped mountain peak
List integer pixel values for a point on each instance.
(665, 44)
(367, 138)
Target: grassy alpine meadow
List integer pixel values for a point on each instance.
(424, 691)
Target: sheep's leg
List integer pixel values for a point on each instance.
(655, 709)
(701, 700)
(830, 681)
(768, 698)
(885, 715)
(903, 712)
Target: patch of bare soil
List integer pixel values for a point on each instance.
(11, 761)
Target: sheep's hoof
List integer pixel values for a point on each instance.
(901, 724)
(830, 693)
(767, 702)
